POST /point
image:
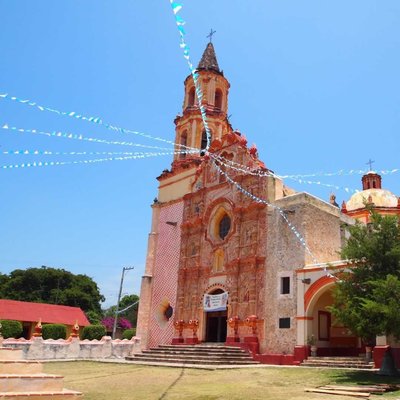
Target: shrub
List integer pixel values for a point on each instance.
(93, 317)
(54, 331)
(122, 323)
(92, 332)
(11, 329)
(129, 333)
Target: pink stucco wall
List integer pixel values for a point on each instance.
(165, 274)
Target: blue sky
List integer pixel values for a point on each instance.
(315, 85)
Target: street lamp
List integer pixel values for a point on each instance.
(119, 298)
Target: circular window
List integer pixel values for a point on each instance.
(224, 226)
(168, 312)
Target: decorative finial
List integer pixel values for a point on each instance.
(210, 35)
(38, 329)
(75, 330)
(370, 162)
(332, 200)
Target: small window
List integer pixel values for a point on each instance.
(182, 148)
(284, 323)
(285, 285)
(224, 226)
(218, 99)
(203, 143)
(191, 97)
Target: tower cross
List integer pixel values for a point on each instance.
(370, 162)
(210, 35)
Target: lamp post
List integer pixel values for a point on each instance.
(119, 298)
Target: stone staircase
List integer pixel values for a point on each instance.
(338, 362)
(24, 380)
(201, 354)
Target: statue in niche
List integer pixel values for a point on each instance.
(248, 234)
(198, 185)
(194, 249)
(218, 264)
(198, 208)
(212, 174)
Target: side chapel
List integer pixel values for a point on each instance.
(222, 267)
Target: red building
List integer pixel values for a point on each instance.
(30, 313)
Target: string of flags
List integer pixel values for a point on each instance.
(63, 153)
(74, 136)
(94, 120)
(180, 22)
(341, 172)
(37, 164)
(261, 173)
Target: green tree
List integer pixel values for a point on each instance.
(367, 295)
(93, 317)
(53, 286)
(3, 280)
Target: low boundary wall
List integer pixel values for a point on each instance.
(39, 349)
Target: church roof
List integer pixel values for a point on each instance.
(379, 197)
(209, 60)
(48, 313)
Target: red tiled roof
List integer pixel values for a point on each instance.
(49, 313)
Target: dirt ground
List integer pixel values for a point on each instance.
(108, 381)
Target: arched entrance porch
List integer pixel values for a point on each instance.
(330, 336)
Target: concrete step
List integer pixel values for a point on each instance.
(197, 355)
(7, 353)
(17, 366)
(195, 351)
(31, 383)
(201, 347)
(210, 354)
(192, 357)
(183, 360)
(54, 395)
(326, 365)
(338, 362)
(334, 359)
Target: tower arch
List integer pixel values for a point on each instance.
(215, 89)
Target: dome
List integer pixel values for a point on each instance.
(380, 198)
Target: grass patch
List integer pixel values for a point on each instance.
(104, 381)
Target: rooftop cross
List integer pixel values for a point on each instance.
(370, 162)
(210, 35)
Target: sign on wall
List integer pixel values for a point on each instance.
(215, 302)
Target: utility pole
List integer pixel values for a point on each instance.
(119, 298)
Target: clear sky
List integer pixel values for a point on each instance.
(315, 85)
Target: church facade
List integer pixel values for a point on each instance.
(234, 255)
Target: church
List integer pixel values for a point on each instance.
(236, 256)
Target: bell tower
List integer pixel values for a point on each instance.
(189, 129)
(159, 284)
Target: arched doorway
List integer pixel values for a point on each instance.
(216, 322)
(332, 338)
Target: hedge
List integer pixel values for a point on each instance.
(129, 333)
(54, 331)
(11, 329)
(92, 332)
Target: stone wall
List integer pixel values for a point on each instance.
(319, 223)
(39, 349)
